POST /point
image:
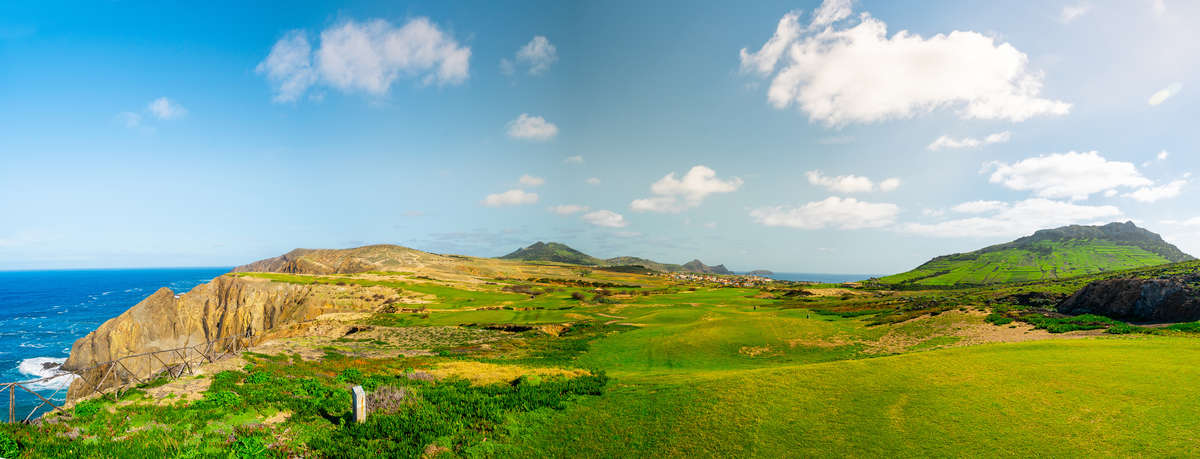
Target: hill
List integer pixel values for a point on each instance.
(1048, 254)
(561, 253)
(553, 251)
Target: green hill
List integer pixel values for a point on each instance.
(1048, 254)
(561, 253)
(553, 251)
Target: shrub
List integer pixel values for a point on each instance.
(87, 408)
(998, 319)
(8, 445)
(1189, 327)
(578, 296)
(249, 447)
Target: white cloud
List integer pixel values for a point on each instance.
(289, 67)
(592, 181)
(510, 198)
(979, 207)
(889, 184)
(710, 225)
(1165, 93)
(850, 183)
(675, 195)
(843, 213)
(1162, 155)
(365, 56)
(830, 12)
(1016, 219)
(1066, 175)
(538, 55)
(568, 209)
(166, 109)
(763, 61)
(856, 73)
(529, 180)
(946, 141)
(577, 159)
(528, 127)
(933, 212)
(841, 183)
(1157, 193)
(1072, 12)
(606, 218)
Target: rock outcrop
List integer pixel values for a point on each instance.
(225, 307)
(1137, 300)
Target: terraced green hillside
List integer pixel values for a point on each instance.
(1048, 254)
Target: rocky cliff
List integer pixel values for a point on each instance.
(227, 306)
(1138, 300)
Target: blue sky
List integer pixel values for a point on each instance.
(799, 136)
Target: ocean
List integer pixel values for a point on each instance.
(42, 313)
(820, 277)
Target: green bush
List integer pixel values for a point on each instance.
(87, 408)
(998, 319)
(1188, 327)
(249, 447)
(8, 445)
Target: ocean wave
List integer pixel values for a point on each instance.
(36, 368)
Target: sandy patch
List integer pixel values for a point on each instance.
(487, 373)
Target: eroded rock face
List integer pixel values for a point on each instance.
(226, 306)
(1138, 300)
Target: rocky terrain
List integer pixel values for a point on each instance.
(1173, 299)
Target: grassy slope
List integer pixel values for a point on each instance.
(1109, 397)
(1064, 259)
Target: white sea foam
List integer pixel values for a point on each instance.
(36, 369)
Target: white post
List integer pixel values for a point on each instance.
(360, 404)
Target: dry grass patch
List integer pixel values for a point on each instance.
(480, 373)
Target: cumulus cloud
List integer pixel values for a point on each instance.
(577, 159)
(1157, 193)
(592, 181)
(889, 184)
(1016, 219)
(537, 55)
(1163, 94)
(365, 57)
(527, 127)
(289, 66)
(842, 71)
(510, 198)
(166, 109)
(850, 183)
(1066, 175)
(833, 212)
(946, 141)
(605, 218)
(529, 180)
(568, 209)
(676, 195)
(1072, 12)
(1162, 155)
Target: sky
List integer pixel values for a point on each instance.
(797, 136)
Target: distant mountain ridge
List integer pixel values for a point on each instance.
(1050, 253)
(562, 253)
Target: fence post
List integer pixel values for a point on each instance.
(12, 403)
(360, 404)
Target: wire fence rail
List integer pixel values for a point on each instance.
(123, 373)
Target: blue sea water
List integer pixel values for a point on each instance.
(42, 313)
(821, 277)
